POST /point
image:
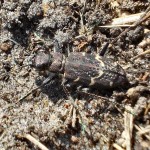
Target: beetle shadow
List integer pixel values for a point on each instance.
(55, 92)
(53, 89)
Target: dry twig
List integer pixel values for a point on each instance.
(35, 141)
(140, 129)
(115, 145)
(126, 19)
(143, 17)
(123, 21)
(144, 131)
(141, 54)
(128, 120)
(74, 117)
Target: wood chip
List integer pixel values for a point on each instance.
(128, 122)
(35, 141)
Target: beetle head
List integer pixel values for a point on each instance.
(42, 60)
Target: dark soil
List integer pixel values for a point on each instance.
(47, 114)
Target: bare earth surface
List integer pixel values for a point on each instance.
(100, 120)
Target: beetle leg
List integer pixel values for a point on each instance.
(79, 87)
(104, 49)
(64, 81)
(67, 83)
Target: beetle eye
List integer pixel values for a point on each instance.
(42, 61)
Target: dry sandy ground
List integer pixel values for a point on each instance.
(117, 119)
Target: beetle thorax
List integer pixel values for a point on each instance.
(58, 62)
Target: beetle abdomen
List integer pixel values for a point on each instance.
(93, 70)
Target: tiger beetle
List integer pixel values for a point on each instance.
(83, 69)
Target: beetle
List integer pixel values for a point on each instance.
(88, 70)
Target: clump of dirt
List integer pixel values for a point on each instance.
(47, 114)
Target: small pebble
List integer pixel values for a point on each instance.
(6, 46)
(74, 139)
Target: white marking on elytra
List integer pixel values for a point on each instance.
(77, 79)
(100, 73)
(98, 58)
